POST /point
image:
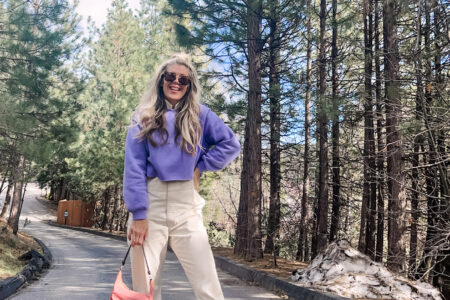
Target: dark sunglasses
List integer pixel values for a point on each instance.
(182, 80)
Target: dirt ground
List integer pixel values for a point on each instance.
(11, 247)
(283, 269)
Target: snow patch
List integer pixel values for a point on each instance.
(345, 271)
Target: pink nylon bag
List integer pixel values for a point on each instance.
(122, 292)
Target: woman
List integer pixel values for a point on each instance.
(172, 140)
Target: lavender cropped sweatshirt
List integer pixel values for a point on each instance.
(169, 162)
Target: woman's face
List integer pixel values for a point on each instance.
(173, 86)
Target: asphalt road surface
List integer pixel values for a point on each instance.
(85, 265)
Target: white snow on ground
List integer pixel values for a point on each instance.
(345, 271)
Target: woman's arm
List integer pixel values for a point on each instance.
(134, 176)
(225, 146)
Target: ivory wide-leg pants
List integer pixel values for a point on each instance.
(175, 218)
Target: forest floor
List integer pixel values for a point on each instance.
(11, 247)
(283, 269)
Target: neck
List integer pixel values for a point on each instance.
(171, 104)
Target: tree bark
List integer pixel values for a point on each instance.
(302, 252)
(120, 209)
(431, 173)
(322, 217)
(395, 168)
(106, 208)
(369, 196)
(6, 204)
(415, 187)
(335, 214)
(114, 216)
(249, 241)
(380, 142)
(13, 220)
(5, 177)
(275, 127)
(52, 191)
(440, 272)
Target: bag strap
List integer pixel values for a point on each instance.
(145, 258)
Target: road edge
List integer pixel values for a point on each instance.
(271, 282)
(263, 279)
(35, 266)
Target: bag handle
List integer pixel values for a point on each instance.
(145, 258)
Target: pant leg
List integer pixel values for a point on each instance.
(189, 241)
(155, 247)
(155, 244)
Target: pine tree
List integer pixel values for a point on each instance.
(302, 245)
(336, 168)
(37, 39)
(395, 168)
(273, 226)
(117, 68)
(322, 129)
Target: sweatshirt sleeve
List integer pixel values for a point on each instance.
(134, 175)
(225, 145)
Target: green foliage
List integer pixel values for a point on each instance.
(117, 66)
(219, 237)
(38, 86)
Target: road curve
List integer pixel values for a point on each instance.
(85, 265)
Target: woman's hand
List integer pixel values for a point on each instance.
(196, 179)
(138, 232)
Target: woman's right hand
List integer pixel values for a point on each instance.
(138, 232)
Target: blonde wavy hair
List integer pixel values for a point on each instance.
(151, 109)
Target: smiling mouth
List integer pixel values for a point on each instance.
(174, 88)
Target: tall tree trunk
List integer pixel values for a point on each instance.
(14, 215)
(315, 208)
(380, 142)
(414, 209)
(416, 148)
(362, 247)
(242, 220)
(275, 127)
(443, 256)
(52, 191)
(369, 137)
(5, 177)
(114, 216)
(304, 222)
(396, 180)
(106, 207)
(124, 224)
(322, 217)
(23, 197)
(431, 173)
(249, 243)
(62, 190)
(364, 209)
(335, 214)
(6, 204)
(120, 210)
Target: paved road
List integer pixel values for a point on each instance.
(85, 265)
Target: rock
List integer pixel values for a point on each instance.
(30, 254)
(36, 263)
(347, 272)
